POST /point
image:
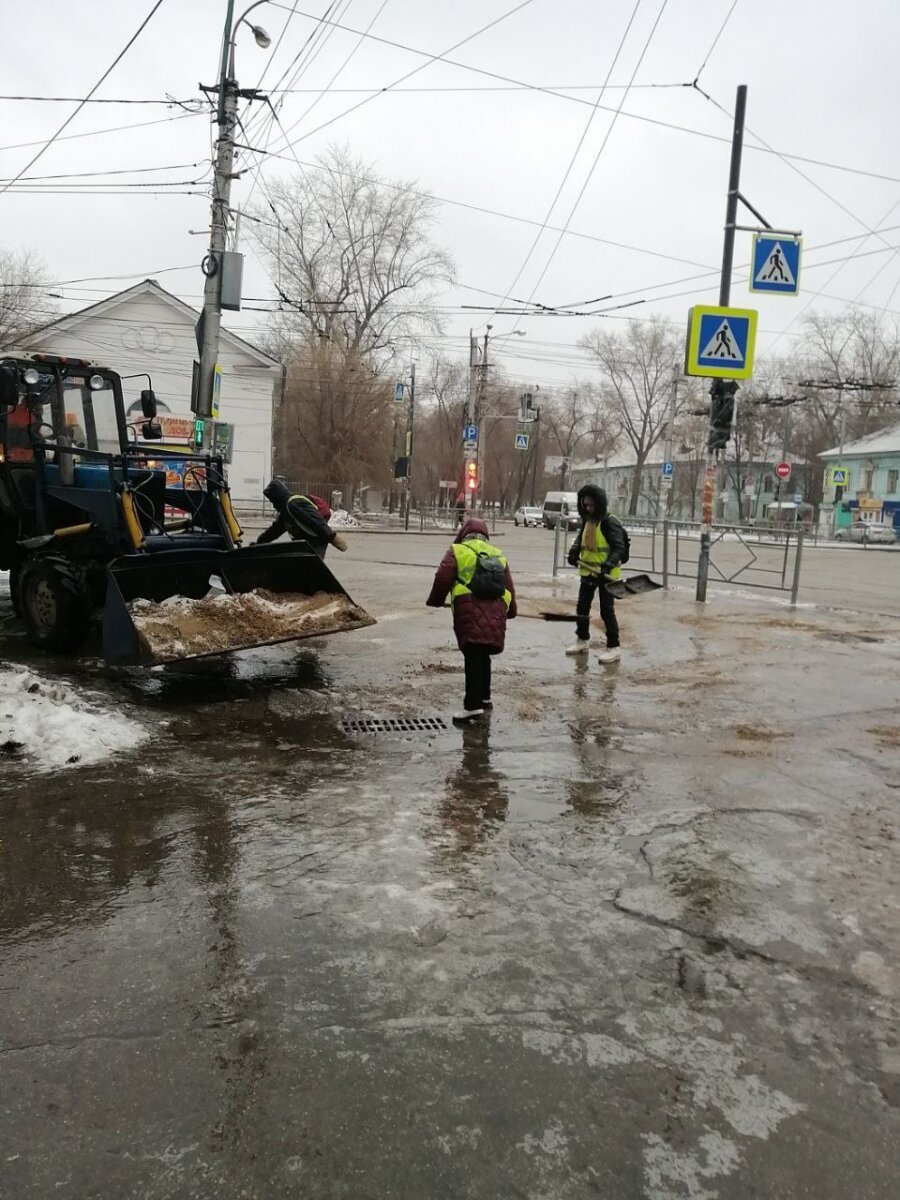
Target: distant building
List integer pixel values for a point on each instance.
(147, 329)
(745, 490)
(871, 484)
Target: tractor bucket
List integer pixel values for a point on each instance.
(177, 604)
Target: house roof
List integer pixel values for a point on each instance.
(147, 286)
(883, 441)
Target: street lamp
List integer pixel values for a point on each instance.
(262, 38)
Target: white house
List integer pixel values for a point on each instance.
(145, 330)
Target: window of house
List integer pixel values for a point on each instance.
(892, 481)
(867, 474)
(767, 483)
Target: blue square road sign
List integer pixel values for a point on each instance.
(720, 342)
(776, 265)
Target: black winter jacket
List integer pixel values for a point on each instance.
(297, 516)
(610, 526)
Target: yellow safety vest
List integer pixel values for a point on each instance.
(466, 555)
(291, 521)
(590, 561)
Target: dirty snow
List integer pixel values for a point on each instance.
(341, 519)
(49, 724)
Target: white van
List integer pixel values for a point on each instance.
(561, 502)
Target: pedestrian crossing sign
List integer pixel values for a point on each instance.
(720, 342)
(521, 441)
(776, 265)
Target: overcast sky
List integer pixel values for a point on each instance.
(823, 84)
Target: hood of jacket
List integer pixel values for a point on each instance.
(598, 495)
(474, 527)
(277, 494)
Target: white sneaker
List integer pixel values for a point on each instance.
(467, 715)
(609, 656)
(579, 648)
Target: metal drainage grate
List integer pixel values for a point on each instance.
(393, 725)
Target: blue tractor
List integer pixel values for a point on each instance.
(86, 521)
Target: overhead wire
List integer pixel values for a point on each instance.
(491, 212)
(71, 117)
(70, 137)
(393, 88)
(168, 101)
(574, 157)
(600, 151)
(112, 171)
(415, 71)
(715, 42)
(310, 50)
(328, 87)
(870, 230)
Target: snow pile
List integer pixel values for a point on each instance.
(341, 519)
(51, 725)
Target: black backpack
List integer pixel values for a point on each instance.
(626, 553)
(489, 580)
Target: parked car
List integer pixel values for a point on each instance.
(875, 532)
(528, 516)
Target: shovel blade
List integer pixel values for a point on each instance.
(634, 585)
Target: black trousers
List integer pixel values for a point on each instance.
(591, 584)
(478, 676)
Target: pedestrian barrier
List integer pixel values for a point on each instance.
(747, 556)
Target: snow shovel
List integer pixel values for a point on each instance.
(634, 585)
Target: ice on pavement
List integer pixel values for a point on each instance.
(50, 724)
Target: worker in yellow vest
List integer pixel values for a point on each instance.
(298, 516)
(599, 547)
(476, 577)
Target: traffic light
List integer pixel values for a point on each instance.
(472, 476)
(721, 413)
(199, 427)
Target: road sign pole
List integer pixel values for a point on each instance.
(731, 208)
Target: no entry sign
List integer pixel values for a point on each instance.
(783, 470)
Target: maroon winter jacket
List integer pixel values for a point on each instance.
(476, 621)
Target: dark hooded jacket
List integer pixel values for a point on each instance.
(610, 526)
(476, 621)
(298, 516)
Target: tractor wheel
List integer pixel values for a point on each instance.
(54, 602)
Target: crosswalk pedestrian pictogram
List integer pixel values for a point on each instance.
(720, 342)
(776, 265)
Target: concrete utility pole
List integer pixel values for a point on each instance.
(731, 209)
(410, 420)
(480, 399)
(210, 323)
(471, 456)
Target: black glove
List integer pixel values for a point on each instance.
(573, 555)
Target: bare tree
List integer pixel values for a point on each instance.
(352, 256)
(24, 303)
(333, 423)
(438, 434)
(639, 366)
(578, 422)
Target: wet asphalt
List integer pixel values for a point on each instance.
(636, 936)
